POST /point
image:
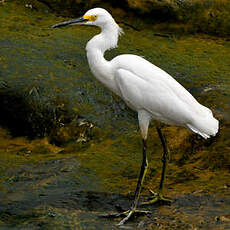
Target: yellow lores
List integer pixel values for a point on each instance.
(91, 18)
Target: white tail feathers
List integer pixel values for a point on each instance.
(206, 127)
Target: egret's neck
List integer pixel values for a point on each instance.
(107, 39)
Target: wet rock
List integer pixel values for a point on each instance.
(29, 116)
(194, 16)
(224, 218)
(79, 130)
(23, 114)
(46, 78)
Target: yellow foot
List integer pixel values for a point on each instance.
(157, 197)
(128, 214)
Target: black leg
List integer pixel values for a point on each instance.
(164, 158)
(143, 171)
(159, 196)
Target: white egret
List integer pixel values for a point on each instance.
(146, 89)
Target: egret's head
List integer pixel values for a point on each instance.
(95, 17)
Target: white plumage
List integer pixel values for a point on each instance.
(145, 88)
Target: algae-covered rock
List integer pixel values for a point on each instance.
(208, 16)
(78, 172)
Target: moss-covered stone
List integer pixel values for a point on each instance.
(187, 16)
(45, 77)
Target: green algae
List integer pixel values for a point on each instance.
(54, 63)
(43, 185)
(188, 16)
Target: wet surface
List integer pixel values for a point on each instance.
(70, 178)
(47, 187)
(61, 194)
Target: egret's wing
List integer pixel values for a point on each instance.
(163, 104)
(158, 99)
(153, 74)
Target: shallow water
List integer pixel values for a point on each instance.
(43, 186)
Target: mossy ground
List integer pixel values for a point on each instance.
(43, 186)
(187, 16)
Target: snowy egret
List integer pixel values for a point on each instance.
(146, 89)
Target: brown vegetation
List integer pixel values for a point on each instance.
(186, 16)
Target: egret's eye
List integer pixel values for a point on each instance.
(91, 18)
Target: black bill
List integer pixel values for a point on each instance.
(71, 22)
